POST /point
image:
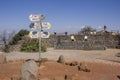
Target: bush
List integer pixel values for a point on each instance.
(18, 36)
(32, 46)
(43, 48)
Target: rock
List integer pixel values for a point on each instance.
(83, 67)
(61, 59)
(74, 63)
(118, 76)
(65, 77)
(29, 70)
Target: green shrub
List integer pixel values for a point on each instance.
(43, 48)
(18, 36)
(32, 46)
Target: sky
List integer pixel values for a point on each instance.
(64, 15)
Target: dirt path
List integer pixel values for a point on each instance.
(76, 55)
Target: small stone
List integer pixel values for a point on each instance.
(61, 59)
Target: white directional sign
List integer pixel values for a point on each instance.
(34, 17)
(34, 25)
(35, 34)
(45, 34)
(46, 25)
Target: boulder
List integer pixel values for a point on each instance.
(29, 70)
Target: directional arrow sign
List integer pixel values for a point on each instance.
(45, 34)
(35, 34)
(46, 25)
(34, 25)
(36, 18)
(31, 25)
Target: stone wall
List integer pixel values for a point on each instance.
(81, 45)
(95, 42)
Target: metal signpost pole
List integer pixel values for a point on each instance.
(41, 17)
(40, 26)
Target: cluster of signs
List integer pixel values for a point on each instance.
(38, 25)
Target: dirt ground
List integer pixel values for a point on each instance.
(51, 70)
(98, 71)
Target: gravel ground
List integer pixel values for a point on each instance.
(70, 55)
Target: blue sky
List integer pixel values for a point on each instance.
(64, 15)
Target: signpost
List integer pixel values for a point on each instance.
(35, 25)
(45, 25)
(45, 34)
(36, 18)
(38, 25)
(35, 34)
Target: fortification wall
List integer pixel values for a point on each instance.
(94, 42)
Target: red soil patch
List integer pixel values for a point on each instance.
(56, 71)
(98, 71)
